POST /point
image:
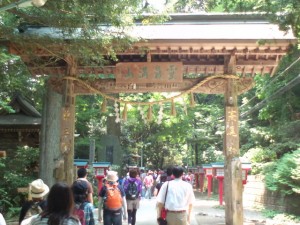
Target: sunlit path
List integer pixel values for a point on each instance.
(146, 215)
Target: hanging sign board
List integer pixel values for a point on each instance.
(149, 72)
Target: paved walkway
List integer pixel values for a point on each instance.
(146, 214)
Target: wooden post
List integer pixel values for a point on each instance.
(68, 123)
(233, 171)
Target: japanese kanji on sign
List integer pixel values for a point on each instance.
(149, 72)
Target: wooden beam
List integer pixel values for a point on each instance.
(109, 86)
(196, 70)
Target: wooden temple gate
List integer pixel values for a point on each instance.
(211, 54)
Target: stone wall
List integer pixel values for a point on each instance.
(256, 195)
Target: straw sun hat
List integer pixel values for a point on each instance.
(38, 189)
(112, 176)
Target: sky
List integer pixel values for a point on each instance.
(157, 4)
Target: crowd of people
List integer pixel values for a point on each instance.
(119, 199)
(176, 196)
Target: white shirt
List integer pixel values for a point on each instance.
(2, 221)
(180, 195)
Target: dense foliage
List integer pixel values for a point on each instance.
(17, 172)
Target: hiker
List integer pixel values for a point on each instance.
(177, 197)
(163, 179)
(60, 206)
(143, 174)
(36, 202)
(83, 209)
(169, 173)
(112, 200)
(82, 175)
(148, 182)
(133, 190)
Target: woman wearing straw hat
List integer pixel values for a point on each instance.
(36, 203)
(60, 206)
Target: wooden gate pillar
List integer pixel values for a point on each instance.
(68, 125)
(233, 171)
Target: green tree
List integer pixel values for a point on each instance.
(15, 78)
(17, 172)
(285, 13)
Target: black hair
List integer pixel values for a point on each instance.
(133, 173)
(169, 171)
(60, 204)
(80, 191)
(177, 171)
(163, 177)
(81, 172)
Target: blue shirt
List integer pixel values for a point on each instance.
(89, 214)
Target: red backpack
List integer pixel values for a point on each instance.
(79, 212)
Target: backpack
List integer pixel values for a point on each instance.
(79, 212)
(113, 198)
(34, 210)
(132, 191)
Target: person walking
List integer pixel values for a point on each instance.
(179, 201)
(60, 206)
(148, 182)
(36, 200)
(80, 192)
(143, 174)
(170, 176)
(162, 180)
(133, 189)
(112, 200)
(82, 175)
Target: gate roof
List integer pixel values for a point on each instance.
(203, 43)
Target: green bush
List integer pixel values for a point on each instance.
(260, 158)
(16, 172)
(284, 176)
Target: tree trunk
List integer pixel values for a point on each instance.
(50, 136)
(196, 154)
